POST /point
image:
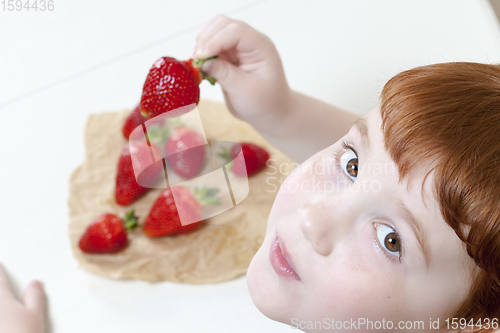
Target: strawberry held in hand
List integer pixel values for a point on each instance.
(127, 189)
(164, 219)
(185, 151)
(107, 233)
(171, 84)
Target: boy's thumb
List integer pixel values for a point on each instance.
(35, 298)
(221, 70)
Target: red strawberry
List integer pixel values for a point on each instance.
(255, 159)
(107, 233)
(163, 218)
(171, 84)
(127, 189)
(185, 151)
(134, 119)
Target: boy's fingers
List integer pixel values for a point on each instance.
(225, 73)
(34, 297)
(212, 27)
(5, 289)
(231, 36)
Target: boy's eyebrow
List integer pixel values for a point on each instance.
(362, 127)
(416, 226)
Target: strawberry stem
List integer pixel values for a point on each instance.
(224, 154)
(158, 135)
(206, 196)
(175, 122)
(199, 63)
(130, 221)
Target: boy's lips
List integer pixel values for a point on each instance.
(281, 261)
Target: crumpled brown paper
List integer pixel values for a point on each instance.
(223, 246)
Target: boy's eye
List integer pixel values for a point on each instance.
(389, 239)
(349, 163)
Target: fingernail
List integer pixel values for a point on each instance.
(36, 283)
(193, 53)
(200, 54)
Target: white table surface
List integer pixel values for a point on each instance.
(83, 57)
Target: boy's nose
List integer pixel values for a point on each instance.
(322, 229)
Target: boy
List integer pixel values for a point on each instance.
(396, 225)
(396, 222)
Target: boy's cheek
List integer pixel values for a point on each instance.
(317, 176)
(313, 181)
(349, 293)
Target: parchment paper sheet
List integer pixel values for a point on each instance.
(223, 246)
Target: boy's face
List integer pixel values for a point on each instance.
(346, 242)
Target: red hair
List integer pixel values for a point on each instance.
(449, 116)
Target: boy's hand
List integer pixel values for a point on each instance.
(27, 316)
(251, 74)
(248, 68)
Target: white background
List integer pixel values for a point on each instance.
(92, 56)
